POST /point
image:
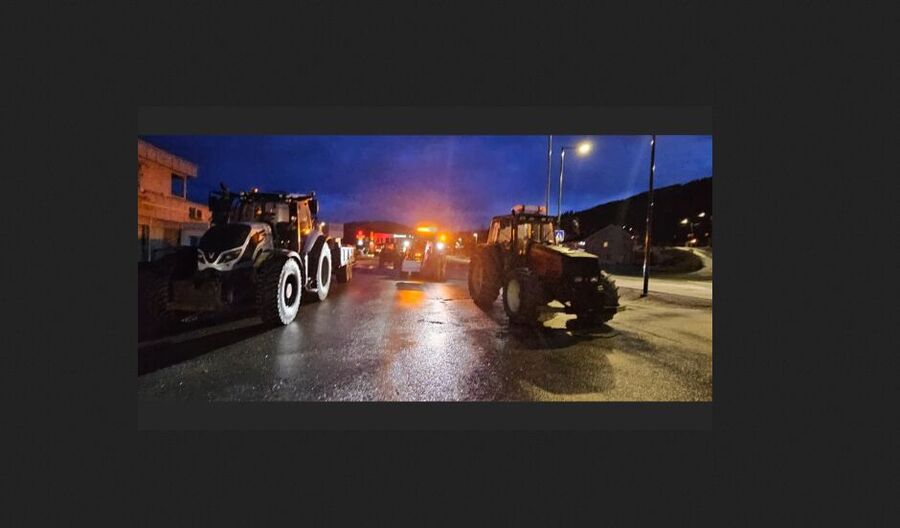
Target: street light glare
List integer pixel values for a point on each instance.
(684, 222)
(702, 214)
(584, 148)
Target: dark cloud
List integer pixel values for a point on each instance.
(457, 181)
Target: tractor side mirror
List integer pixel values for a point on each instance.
(560, 235)
(313, 206)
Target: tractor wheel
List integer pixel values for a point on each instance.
(345, 273)
(278, 290)
(484, 279)
(522, 296)
(323, 273)
(604, 304)
(156, 298)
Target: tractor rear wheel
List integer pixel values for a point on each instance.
(278, 290)
(323, 273)
(604, 304)
(484, 278)
(522, 296)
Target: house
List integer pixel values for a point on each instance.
(612, 244)
(166, 218)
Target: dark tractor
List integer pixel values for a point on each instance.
(424, 254)
(262, 248)
(523, 258)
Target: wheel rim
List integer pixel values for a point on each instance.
(290, 290)
(513, 296)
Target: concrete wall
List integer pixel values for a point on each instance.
(165, 219)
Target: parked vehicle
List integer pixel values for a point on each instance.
(523, 257)
(262, 248)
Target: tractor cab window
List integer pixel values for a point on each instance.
(523, 234)
(542, 231)
(304, 219)
(247, 212)
(504, 233)
(494, 232)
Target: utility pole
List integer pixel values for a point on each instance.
(562, 168)
(649, 216)
(549, 163)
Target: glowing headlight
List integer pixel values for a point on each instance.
(440, 246)
(230, 255)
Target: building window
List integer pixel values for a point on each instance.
(177, 185)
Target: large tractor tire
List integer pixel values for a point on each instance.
(279, 290)
(604, 304)
(484, 278)
(522, 296)
(156, 299)
(323, 273)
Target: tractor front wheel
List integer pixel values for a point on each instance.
(484, 279)
(278, 290)
(522, 296)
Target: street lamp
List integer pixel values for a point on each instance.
(582, 149)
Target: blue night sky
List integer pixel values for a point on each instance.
(457, 181)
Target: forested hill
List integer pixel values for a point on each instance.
(671, 205)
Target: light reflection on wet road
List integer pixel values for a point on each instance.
(380, 338)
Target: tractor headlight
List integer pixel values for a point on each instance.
(440, 246)
(230, 255)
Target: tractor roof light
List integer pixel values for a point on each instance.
(427, 229)
(529, 209)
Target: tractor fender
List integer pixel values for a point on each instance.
(316, 245)
(293, 255)
(311, 242)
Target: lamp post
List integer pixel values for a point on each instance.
(649, 216)
(549, 162)
(582, 149)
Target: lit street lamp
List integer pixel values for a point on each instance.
(582, 149)
(646, 270)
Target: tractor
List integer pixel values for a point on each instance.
(266, 249)
(425, 254)
(524, 258)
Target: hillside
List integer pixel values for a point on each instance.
(670, 205)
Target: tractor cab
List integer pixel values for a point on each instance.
(523, 227)
(289, 217)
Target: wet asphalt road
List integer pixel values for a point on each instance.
(380, 338)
